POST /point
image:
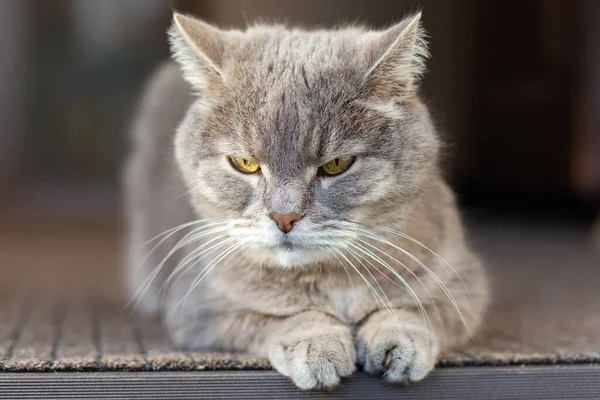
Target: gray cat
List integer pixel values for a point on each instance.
(294, 178)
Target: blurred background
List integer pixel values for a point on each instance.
(514, 87)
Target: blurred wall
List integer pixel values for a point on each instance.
(14, 47)
(586, 147)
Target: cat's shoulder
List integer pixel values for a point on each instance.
(162, 105)
(165, 85)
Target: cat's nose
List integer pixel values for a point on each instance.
(285, 221)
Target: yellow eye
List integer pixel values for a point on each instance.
(336, 166)
(243, 165)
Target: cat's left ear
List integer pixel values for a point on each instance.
(397, 57)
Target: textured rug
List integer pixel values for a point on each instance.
(61, 309)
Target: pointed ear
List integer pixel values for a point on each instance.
(198, 48)
(398, 60)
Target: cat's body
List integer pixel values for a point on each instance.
(291, 101)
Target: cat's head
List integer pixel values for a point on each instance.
(295, 132)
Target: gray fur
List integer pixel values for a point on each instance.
(291, 100)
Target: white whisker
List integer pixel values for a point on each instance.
(239, 247)
(389, 304)
(418, 302)
(183, 301)
(347, 273)
(417, 242)
(195, 234)
(375, 294)
(427, 269)
(442, 260)
(422, 312)
(175, 229)
(168, 234)
(193, 257)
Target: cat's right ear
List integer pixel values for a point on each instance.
(198, 48)
(398, 59)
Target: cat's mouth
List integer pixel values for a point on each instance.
(289, 246)
(294, 250)
(295, 245)
(288, 254)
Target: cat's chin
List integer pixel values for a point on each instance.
(293, 258)
(284, 257)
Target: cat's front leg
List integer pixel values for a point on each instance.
(313, 349)
(400, 347)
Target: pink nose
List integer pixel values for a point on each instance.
(285, 221)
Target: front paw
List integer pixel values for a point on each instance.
(402, 354)
(315, 359)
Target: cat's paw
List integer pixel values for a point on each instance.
(400, 354)
(316, 359)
